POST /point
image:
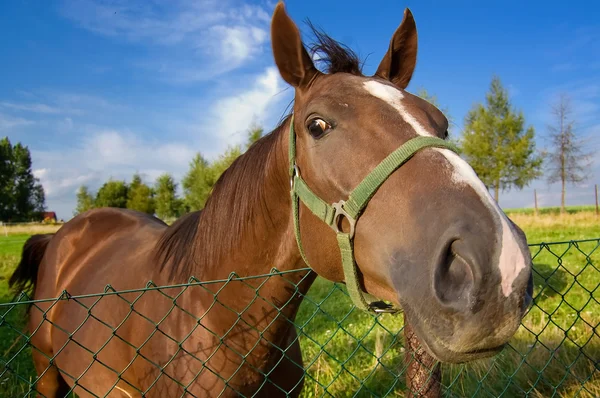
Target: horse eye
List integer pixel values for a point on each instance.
(318, 127)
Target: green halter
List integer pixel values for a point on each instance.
(351, 209)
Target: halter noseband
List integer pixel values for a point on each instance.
(351, 209)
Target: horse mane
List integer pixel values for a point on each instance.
(236, 195)
(240, 190)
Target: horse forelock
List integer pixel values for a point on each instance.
(337, 57)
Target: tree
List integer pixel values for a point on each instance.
(197, 183)
(21, 194)
(567, 161)
(202, 175)
(255, 133)
(112, 194)
(497, 145)
(168, 206)
(85, 200)
(140, 196)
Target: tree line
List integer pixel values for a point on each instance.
(495, 141)
(161, 197)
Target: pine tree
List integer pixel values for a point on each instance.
(197, 183)
(497, 145)
(168, 206)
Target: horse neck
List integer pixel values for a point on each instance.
(248, 235)
(246, 227)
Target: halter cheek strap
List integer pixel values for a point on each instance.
(351, 210)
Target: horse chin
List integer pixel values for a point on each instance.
(440, 351)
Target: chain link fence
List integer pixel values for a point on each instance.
(345, 352)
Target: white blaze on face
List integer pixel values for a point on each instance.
(512, 260)
(394, 97)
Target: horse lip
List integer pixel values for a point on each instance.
(457, 357)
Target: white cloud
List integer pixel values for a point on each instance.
(165, 23)
(45, 103)
(8, 122)
(105, 154)
(234, 114)
(235, 44)
(214, 36)
(54, 185)
(98, 153)
(36, 108)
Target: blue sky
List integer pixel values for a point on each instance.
(101, 89)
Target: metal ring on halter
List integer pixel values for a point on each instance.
(381, 307)
(296, 174)
(337, 218)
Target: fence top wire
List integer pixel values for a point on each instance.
(543, 244)
(192, 281)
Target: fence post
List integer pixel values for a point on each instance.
(423, 374)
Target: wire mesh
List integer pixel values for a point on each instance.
(344, 351)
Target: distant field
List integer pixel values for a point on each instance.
(557, 228)
(551, 210)
(28, 229)
(563, 319)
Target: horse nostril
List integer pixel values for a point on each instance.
(453, 281)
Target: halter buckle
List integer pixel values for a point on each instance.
(339, 213)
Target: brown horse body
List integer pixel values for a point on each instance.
(430, 240)
(119, 248)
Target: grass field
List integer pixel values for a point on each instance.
(552, 210)
(554, 353)
(27, 229)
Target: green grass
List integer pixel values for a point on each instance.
(12, 321)
(346, 351)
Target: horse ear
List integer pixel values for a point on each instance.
(292, 59)
(398, 64)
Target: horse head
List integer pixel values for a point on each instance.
(383, 201)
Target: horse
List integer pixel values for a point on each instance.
(358, 182)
